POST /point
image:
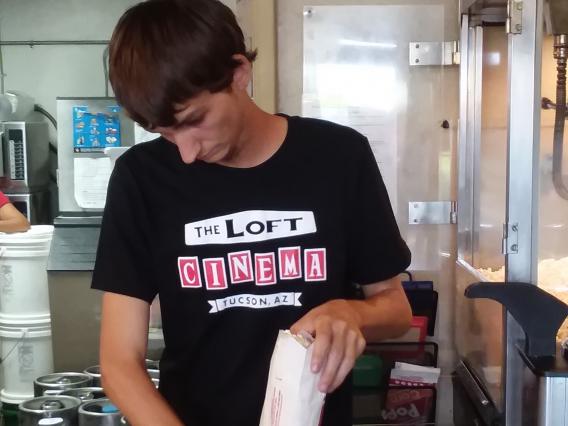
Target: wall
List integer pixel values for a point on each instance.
(46, 72)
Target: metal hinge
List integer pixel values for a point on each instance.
(423, 53)
(432, 212)
(456, 56)
(510, 243)
(514, 16)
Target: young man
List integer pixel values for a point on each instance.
(243, 222)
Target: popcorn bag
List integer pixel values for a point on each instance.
(292, 397)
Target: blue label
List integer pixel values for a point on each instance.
(95, 131)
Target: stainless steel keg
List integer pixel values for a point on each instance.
(95, 372)
(85, 394)
(55, 383)
(100, 412)
(63, 408)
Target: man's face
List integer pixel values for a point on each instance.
(207, 127)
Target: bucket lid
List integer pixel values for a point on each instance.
(14, 398)
(51, 404)
(85, 394)
(57, 380)
(24, 253)
(98, 408)
(20, 332)
(40, 320)
(34, 232)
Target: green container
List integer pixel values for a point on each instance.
(368, 371)
(9, 414)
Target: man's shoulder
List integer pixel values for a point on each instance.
(332, 138)
(328, 128)
(146, 151)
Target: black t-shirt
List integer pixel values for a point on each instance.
(237, 254)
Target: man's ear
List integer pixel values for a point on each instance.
(242, 74)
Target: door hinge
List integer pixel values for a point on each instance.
(514, 16)
(510, 243)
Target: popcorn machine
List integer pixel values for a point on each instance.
(513, 206)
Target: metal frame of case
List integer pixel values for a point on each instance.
(524, 69)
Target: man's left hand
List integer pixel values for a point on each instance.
(338, 341)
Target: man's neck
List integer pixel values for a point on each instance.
(261, 136)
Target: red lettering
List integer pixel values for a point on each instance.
(265, 268)
(189, 272)
(215, 276)
(240, 267)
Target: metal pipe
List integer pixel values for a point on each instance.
(561, 56)
(33, 43)
(2, 88)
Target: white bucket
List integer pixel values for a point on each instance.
(26, 351)
(23, 283)
(37, 237)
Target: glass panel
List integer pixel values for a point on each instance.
(491, 158)
(553, 210)
(479, 338)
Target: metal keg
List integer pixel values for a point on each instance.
(100, 412)
(62, 408)
(152, 365)
(86, 394)
(153, 369)
(95, 373)
(55, 383)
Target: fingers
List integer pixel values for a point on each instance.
(355, 345)
(335, 356)
(322, 344)
(305, 323)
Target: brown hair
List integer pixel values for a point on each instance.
(164, 52)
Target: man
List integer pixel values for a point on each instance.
(243, 222)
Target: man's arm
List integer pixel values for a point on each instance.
(124, 340)
(341, 328)
(11, 220)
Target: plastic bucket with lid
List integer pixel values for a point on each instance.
(23, 273)
(23, 283)
(38, 237)
(26, 351)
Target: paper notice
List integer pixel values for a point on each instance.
(91, 177)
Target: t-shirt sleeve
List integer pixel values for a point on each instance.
(3, 199)
(123, 262)
(376, 250)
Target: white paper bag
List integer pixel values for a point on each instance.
(292, 397)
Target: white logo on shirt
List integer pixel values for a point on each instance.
(250, 226)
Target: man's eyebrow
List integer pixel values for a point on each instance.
(191, 117)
